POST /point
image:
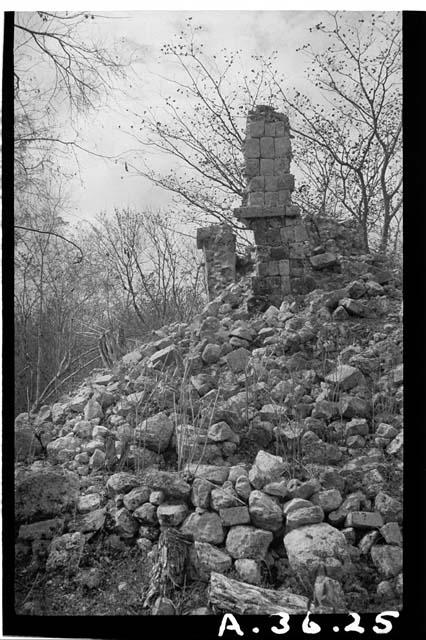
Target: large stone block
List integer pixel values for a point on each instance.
(282, 146)
(271, 198)
(256, 199)
(251, 167)
(271, 183)
(267, 148)
(256, 128)
(286, 181)
(252, 148)
(45, 493)
(257, 183)
(281, 165)
(266, 167)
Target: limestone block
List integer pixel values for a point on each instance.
(292, 211)
(281, 127)
(267, 167)
(256, 128)
(286, 181)
(297, 250)
(271, 198)
(282, 146)
(296, 267)
(271, 183)
(300, 234)
(262, 269)
(270, 129)
(257, 183)
(256, 199)
(281, 165)
(287, 234)
(260, 212)
(284, 267)
(284, 196)
(279, 253)
(267, 148)
(251, 167)
(252, 148)
(273, 268)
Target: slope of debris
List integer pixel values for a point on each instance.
(270, 443)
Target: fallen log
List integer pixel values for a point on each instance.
(168, 572)
(242, 598)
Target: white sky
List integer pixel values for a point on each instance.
(103, 184)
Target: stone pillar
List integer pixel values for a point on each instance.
(280, 236)
(218, 244)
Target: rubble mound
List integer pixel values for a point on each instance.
(256, 456)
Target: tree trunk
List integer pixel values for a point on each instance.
(169, 570)
(242, 598)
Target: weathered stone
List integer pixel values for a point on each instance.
(88, 522)
(171, 515)
(248, 542)
(165, 357)
(136, 497)
(92, 410)
(323, 260)
(155, 432)
(278, 489)
(345, 376)
(353, 307)
(209, 472)
(232, 516)
(248, 570)
(44, 530)
(316, 545)
(264, 511)
(125, 525)
(391, 533)
(388, 559)
(390, 508)
(243, 487)
(205, 558)
(146, 514)
(364, 520)
(328, 500)
(45, 494)
(220, 432)
(211, 353)
(121, 482)
(367, 541)
(97, 459)
(237, 360)
(329, 593)
(64, 448)
(204, 527)
(304, 516)
(294, 504)
(65, 552)
(89, 502)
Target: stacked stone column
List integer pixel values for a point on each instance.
(218, 244)
(279, 233)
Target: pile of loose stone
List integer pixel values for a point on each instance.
(283, 464)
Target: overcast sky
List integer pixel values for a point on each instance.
(102, 184)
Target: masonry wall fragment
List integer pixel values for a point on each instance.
(282, 246)
(218, 245)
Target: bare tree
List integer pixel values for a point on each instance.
(355, 118)
(154, 265)
(347, 131)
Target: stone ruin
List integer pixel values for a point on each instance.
(282, 246)
(218, 244)
(281, 239)
(291, 255)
